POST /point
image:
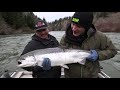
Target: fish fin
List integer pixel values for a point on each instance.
(65, 66)
(82, 62)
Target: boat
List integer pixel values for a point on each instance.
(28, 74)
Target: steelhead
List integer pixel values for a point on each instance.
(57, 57)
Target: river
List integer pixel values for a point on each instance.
(11, 46)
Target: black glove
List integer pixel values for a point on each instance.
(37, 69)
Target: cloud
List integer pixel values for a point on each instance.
(51, 16)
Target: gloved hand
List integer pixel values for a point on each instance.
(93, 56)
(46, 64)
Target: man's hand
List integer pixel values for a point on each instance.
(46, 64)
(93, 56)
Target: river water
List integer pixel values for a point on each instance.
(11, 46)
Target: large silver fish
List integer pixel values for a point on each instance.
(57, 56)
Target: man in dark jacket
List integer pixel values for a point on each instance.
(81, 34)
(41, 40)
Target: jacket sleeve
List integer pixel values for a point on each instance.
(28, 48)
(107, 49)
(56, 43)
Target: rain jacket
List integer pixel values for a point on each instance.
(95, 40)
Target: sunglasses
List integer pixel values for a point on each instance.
(41, 30)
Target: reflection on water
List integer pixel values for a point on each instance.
(11, 46)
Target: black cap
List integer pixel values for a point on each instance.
(84, 19)
(41, 25)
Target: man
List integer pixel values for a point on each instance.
(81, 34)
(41, 40)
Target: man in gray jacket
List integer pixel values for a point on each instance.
(81, 34)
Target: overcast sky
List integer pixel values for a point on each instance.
(51, 16)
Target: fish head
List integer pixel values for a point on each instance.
(27, 62)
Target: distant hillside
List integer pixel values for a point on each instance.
(59, 25)
(17, 22)
(103, 21)
(111, 23)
